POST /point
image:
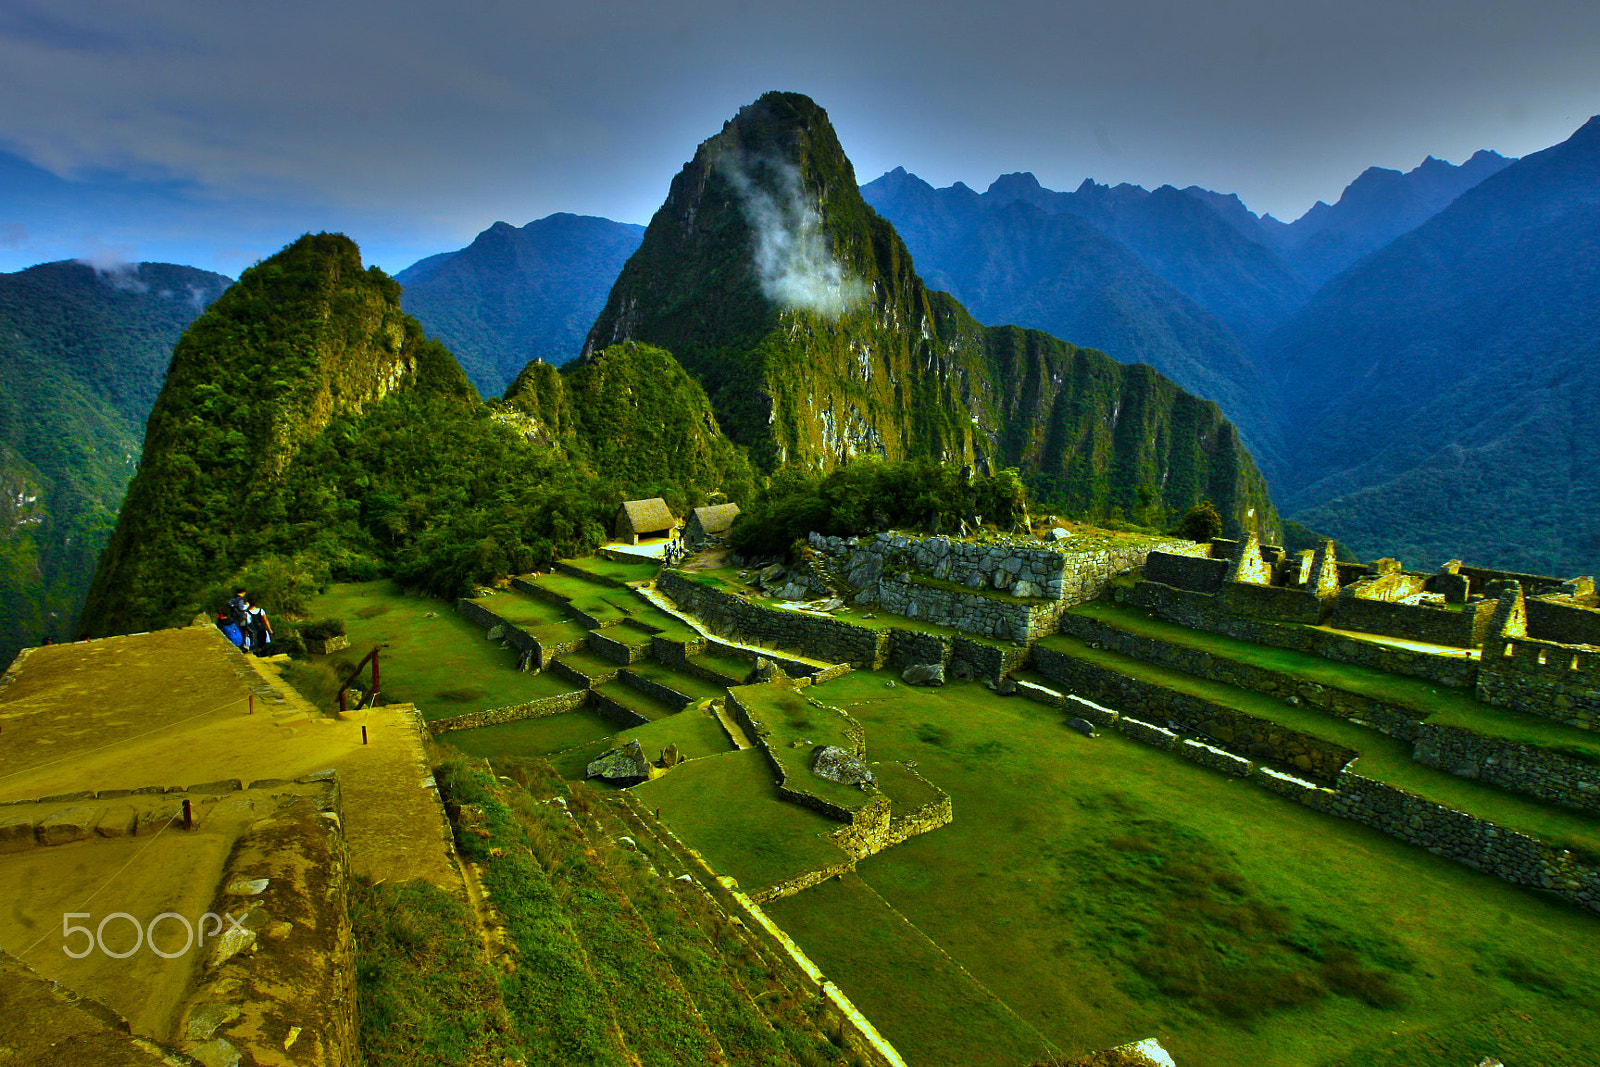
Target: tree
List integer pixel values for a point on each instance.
(1200, 523)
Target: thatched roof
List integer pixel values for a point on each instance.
(647, 515)
(715, 520)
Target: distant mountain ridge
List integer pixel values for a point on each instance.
(1443, 387)
(518, 294)
(82, 356)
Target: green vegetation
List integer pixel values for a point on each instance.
(868, 494)
(1098, 887)
(907, 374)
(1385, 759)
(81, 358)
(308, 432)
(544, 735)
(1200, 523)
(424, 992)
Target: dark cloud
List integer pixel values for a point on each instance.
(414, 124)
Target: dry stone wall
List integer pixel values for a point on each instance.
(533, 709)
(1198, 611)
(1561, 619)
(531, 652)
(1012, 589)
(1456, 627)
(1243, 734)
(814, 636)
(1547, 775)
(1392, 719)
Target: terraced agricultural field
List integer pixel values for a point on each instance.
(431, 656)
(1107, 891)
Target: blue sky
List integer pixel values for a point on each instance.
(214, 132)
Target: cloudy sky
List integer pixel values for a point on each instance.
(212, 132)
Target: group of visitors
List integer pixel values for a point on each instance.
(674, 551)
(245, 624)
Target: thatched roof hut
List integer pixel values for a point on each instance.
(644, 518)
(709, 522)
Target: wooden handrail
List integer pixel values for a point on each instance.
(372, 696)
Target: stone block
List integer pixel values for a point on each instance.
(119, 820)
(1088, 709)
(67, 825)
(16, 833)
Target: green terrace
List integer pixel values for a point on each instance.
(691, 686)
(1438, 704)
(793, 727)
(635, 701)
(616, 570)
(430, 656)
(1384, 758)
(1091, 891)
(694, 730)
(523, 611)
(728, 809)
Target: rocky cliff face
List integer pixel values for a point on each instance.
(799, 309)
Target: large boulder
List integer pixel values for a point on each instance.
(837, 765)
(923, 674)
(622, 766)
(765, 671)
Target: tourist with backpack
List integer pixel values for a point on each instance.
(260, 629)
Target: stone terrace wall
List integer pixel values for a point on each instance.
(1271, 602)
(1241, 733)
(1198, 611)
(1025, 569)
(974, 612)
(974, 659)
(1392, 719)
(1478, 843)
(908, 647)
(813, 636)
(1458, 628)
(532, 653)
(1547, 775)
(533, 709)
(1565, 686)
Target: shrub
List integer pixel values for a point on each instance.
(321, 629)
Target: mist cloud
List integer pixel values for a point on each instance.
(796, 267)
(114, 264)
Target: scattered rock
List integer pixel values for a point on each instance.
(1058, 534)
(622, 766)
(764, 671)
(889, 684)
(837, 765)
(670, 757)
(773, 573)
(1083, 726)
(923, 674)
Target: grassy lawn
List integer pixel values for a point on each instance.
(725, 664)
(588, 662)
(631, 571)
(902, 975)
(1387, 759)
(443, 664)
(540, 736)
(679, 682)
(669, 625)
(904, 790)
(1438, 704)
(727, 808)
(1107, 891)
(559, 633)
(633, 700)
(521, 609)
